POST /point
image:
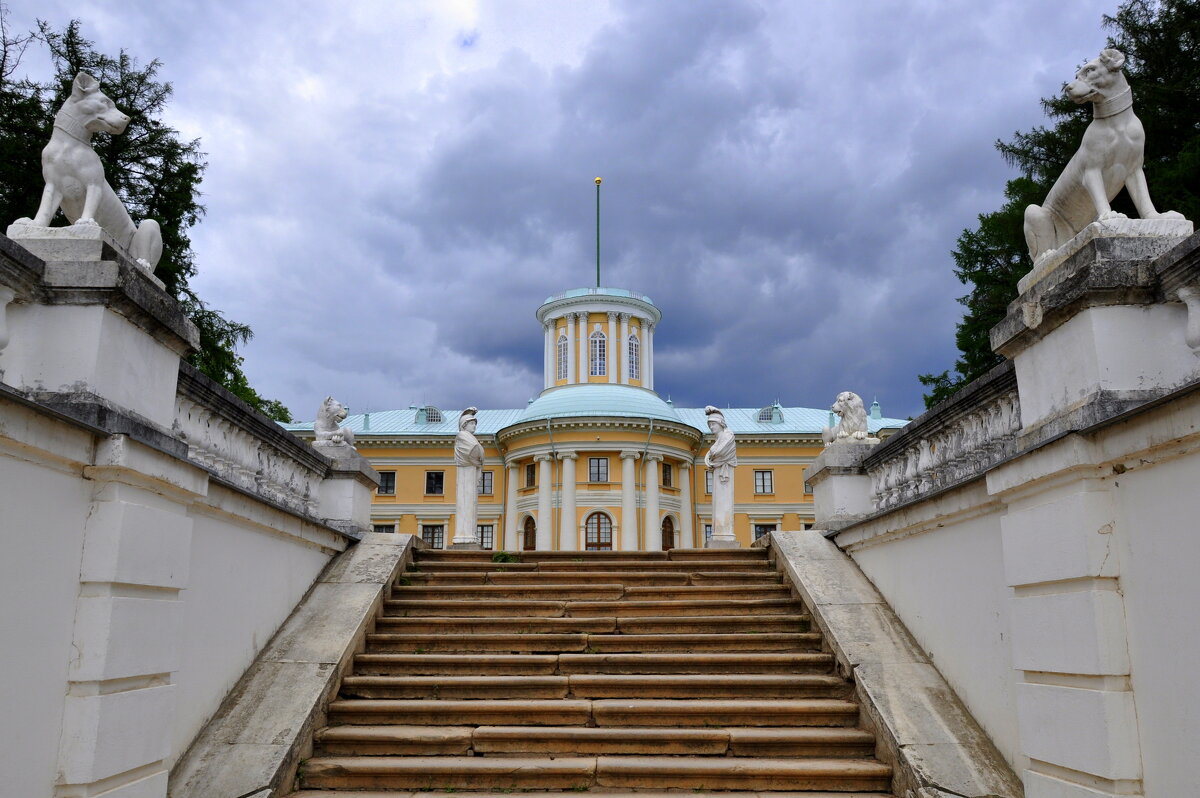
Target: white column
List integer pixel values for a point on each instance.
(510, 510)
(653, 522)
(648, 356)
(568, 529)
(686, 511)
(629, 534)
(623, 345)
(614, 346)
(545, 535)
(548, 356)
(583, 347)
(570, 348)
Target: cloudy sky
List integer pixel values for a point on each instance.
(393, 187)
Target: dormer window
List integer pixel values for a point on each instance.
(429, 415)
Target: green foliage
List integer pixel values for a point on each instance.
(506, 556)
(1161, 42)
(154, 172)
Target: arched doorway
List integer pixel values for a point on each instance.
(668, 534)
(598, 532)
(530, 534)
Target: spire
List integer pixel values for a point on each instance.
(597, 232)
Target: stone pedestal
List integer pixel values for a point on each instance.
(722, 543)
(1145, 235)
(840, 485)
(347, 492)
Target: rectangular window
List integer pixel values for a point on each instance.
(485, 483)
(764, 482)
(531, 475)
(384, 529)
(708, 531)
(434, 535)
(708, 482)
(597, 469)
(435, 483)
(486, 535)
(598, 345)
(387, 483)
(762, 529)
(667, 477)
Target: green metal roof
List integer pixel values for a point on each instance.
(578, 292)
(624, 401)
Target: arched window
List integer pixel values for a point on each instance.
(635, 357)
(599, 346)
(562, 357)
(530, 534)
(668, 534)
(599, 532)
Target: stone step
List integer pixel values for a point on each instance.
(756, 685)
(455, 664)
(609, 793)
(596, 592)
(629, 578)
(551, 740)
(459, 713)
(597, 712)
(581, 773)
(479, 608)
(719, 554)
(692, 663)
(438, 555)
(767, 641)
(469, 566)
(550, 664)
(444, 643)
(666, 712)
(712, 624)
(684, 607)
(692, 592)
(517, 625)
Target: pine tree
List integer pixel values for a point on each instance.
(154, 172)
(1161, 42)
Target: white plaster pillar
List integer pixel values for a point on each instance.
(570, 348)
(582, 327)
(510, 510)
(629, 536)
(623, 345)
(614, 346)
(545, 534)
(686, 510)
(653, 522)
(548, 356)
(568, 529)
(648, 356)
(6, 296)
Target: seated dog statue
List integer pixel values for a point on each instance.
(75, 176)
(1109, 158)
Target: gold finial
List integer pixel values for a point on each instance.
(597, 181)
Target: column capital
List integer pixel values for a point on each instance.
(568, 455)
(628, 455)
(540, 458)
(684, 465)
(624, 317)
(582, 316)
(654, 457)
(612, 315)
(649, 325)
(548, 325)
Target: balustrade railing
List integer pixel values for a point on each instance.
(953, 443)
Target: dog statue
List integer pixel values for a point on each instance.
(853, 424)
(75, 176)
(1109, 157)
(329, 416)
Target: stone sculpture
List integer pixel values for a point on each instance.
(852, 425)
(721, 459)
(468, 460)
(1109, 158)
(75, 176)
(329, 416)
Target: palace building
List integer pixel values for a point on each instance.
(598, 461)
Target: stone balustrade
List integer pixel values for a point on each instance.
(233, 443)
(953, 443)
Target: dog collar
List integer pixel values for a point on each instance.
(72, 127)
(1113, 105)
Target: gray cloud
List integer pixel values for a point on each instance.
(394, 188)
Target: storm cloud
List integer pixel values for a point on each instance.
(393, 188)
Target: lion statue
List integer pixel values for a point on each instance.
(329, 416)
(853, 426)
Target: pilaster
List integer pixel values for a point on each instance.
(614, 346)
(581, 328)
(648, 355)
(624, 347)
(571, 348)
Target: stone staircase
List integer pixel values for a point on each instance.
(602, 671)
